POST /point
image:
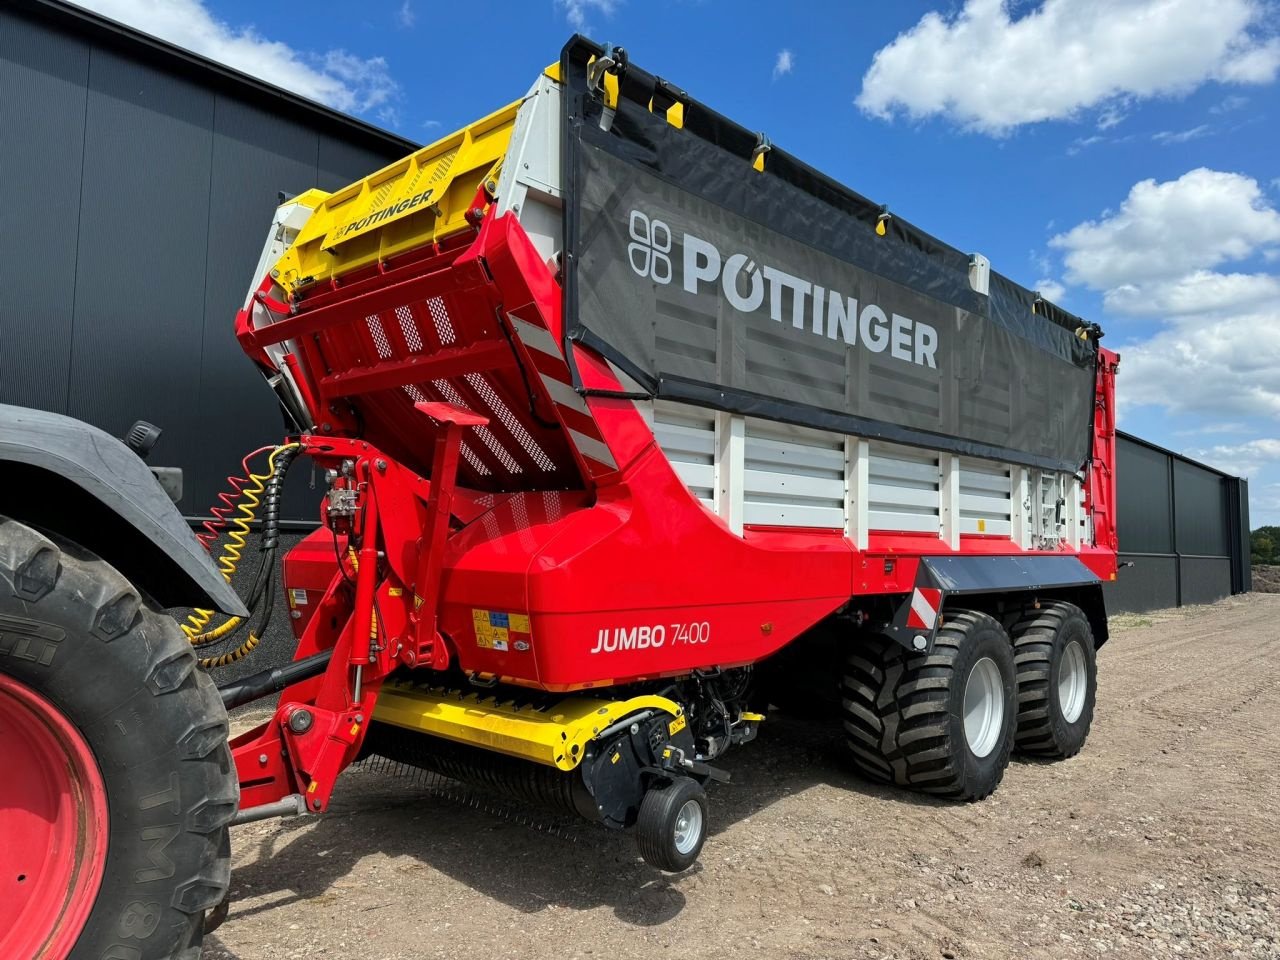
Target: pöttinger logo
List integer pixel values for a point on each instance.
(650, 248)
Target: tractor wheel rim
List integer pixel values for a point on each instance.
(983, 707)
(53, 815)
(1073, 680)
(688, 826)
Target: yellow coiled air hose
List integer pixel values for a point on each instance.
(228, 561)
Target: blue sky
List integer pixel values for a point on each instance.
(1122, 156)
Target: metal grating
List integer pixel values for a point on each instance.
(380, 341)
(509, 420)
(412, 338)
(469, 455)
(440, 317)
(451, 395)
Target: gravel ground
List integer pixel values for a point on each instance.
(1162, 839)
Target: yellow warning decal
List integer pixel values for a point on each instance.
(676, 725)
(497, 629)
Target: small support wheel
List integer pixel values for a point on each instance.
(672, 825)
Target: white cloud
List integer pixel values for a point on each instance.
(1216, 352)
(1201, 292)
(1167, 137)
(1244, 459)
(990, 71)
(1224, 367)
(1051, 289)
(406, 15)
(1228, 104)
(1082, 143)
(575, 11)
(782, 66)
(336, 78)
(1112, 116)
(1164, 231)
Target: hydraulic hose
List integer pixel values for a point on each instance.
(262, 595)
(243, 499)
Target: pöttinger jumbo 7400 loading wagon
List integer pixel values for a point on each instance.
(620, 407)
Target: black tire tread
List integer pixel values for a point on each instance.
(656, 809)
(896, 710)
(1033, 643)
(55, 581)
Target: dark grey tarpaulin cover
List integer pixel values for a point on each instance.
(770, 294)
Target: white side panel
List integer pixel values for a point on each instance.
(986, 497)
(687, 435)
(793, 477)
(529, 184)
(857, 486)
(904, 489)
(730, 468)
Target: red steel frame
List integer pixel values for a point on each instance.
(445, 532)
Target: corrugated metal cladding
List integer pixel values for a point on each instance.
(137, 186)
(138, 183)
(1184, 530)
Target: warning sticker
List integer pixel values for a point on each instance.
(297, 597)
(497, 630)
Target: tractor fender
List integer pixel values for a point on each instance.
(72, 479)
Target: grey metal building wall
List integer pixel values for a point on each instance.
(137, 184)
(1183, 528)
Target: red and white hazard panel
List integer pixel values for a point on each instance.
(925, 604)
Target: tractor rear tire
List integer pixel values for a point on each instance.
(672, 825)
(942, 722)
(116, 748)
(1057, 680)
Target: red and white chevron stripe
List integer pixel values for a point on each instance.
(925, 604)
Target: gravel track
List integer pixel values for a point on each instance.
(1161, 839)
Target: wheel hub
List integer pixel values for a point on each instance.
(1073, 681)
(983, 707)
(688, 826)
(53, 816)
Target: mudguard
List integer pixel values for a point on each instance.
(113, 476)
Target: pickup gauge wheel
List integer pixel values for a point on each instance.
(672, 825)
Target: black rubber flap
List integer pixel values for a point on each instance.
(771, 294)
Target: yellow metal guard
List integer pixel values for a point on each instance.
(556, 736)
(412, 202)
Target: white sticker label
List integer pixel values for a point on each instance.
(298, 596)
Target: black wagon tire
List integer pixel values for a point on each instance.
(1057, 679)
(672, 824)
(79, 641)
(941, 722)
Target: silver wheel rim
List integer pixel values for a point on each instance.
(983, 707)
(688, 826)
(1073, 680)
